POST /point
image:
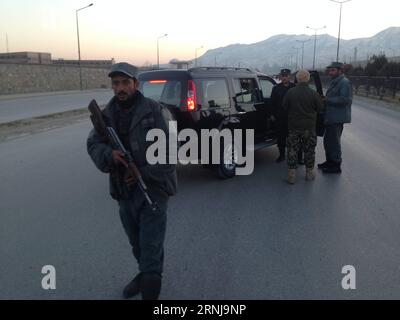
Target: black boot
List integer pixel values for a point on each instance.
(281, 156)
(151, 286)
(133, 288)
(326, 164)
(335, 167)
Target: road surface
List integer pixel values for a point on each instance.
(14, 108)
(252, 237)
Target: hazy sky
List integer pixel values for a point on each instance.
(128, 30)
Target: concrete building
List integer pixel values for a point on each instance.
(85, 63)
(26, 57)
(180, 64)
(45, 58)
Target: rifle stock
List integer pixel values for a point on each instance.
(109, 134)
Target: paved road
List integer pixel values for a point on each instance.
(252, 237)
(28, 106)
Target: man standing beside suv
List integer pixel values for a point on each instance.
(302, 105)
(280, 114)
(338, 101)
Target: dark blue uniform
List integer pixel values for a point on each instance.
(277, 95)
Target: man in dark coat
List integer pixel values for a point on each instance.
(338, 101)
(277, 96)
(132, 116)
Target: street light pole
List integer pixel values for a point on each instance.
(340, 24)
(315, 42)
(158, 50)
(8, 49)
(297, 57)
(79, 45)
(195, 61)
(302, 51)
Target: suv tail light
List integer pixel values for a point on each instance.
(191, 96)
(158, 81)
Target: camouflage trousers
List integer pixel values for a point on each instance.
(305, 140)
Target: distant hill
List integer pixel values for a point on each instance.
(278, 51)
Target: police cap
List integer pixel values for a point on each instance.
(335, 65)
(285, 72)
(125, 69)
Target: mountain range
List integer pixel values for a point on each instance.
(280, 51)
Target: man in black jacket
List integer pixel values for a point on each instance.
(281, 116)
(132, 116)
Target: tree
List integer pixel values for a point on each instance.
(375, 65)
(390, 69)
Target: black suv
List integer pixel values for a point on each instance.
(208, 98)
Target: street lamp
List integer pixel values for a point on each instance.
(195, 61)
(297, 56)
(158, 50)
(315, 42)
(215, 58)
(302, 51)
(79, 45)
(340, 23)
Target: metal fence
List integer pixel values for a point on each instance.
(384, 88)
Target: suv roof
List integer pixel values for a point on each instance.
(199, 71)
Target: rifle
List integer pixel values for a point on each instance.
(111, 137)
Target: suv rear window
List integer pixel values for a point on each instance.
(168, 92)
(212, 93)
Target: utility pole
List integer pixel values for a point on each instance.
(315, 42)
(297, 57)
(340, 24)
(79, 45)
(158, 50)
(355, 54)
(302, 50)
(8, 49)
(195, 60)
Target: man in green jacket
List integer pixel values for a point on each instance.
(302, 104)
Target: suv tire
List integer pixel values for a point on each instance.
(227, 169)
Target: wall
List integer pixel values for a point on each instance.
(29, 78)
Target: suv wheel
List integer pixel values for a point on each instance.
(228, 161)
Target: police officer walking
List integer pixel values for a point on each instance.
(279, 113)
(132, 116)
(338, 101)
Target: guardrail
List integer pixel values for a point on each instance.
(377, 87)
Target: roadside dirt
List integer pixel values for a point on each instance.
(16, 129)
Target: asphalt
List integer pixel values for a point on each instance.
(251, 237)
(18, 107)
